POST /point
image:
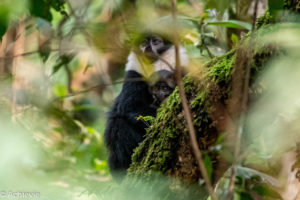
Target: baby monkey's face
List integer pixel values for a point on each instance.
(162, 86)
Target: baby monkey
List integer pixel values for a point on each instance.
(161, 86)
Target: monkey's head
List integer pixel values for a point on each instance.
(161, 86)
(159, 52)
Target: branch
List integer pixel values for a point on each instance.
(69, 77)
(95, 87)
(23, 54)
(188, 115)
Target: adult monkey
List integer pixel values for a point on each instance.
(123, 131)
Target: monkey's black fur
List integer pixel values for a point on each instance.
(123, 131)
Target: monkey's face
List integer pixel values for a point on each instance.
(162, 85)
(160, 91)
(154, 46)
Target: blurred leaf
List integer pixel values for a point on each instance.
(208, 165)
(220, 6)
(39, 8)
(227, 155)
(221, 138)
(91, 130)
(100, 164)
(60, 90)
(4, 16)
(192, 19)
(232, 24)
(234, 39)
(244, 196)
(275, 5)
(249, 173)
(58, 129)
(266, 191)
(86, 107)
(58, 5)
(145, 118)
(148, 118)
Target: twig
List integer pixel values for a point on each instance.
(23, 54)
(95, 87)
(203, 44)
(188, 115)
(254, 14)
(69, 77)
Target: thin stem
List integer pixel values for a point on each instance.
(23, 54)
(95, 87)
(69, 78)
(187, 113)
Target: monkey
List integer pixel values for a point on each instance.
(162, 86)
(123, 131)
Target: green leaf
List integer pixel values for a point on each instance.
(4, 16)
(266, 191)
(244, 196)
(145, 118)
(220, 6)
(275, 6)
(60, 90)
(234, 39)
(100, 165)
(40, 8)
(58, 5)
(208, 165)
(148, 118)
(232, 24)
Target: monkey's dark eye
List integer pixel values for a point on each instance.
(165, 88)
(156, 40)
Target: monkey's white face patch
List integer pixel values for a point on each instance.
(168, 56)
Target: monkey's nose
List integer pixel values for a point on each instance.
(148, 49)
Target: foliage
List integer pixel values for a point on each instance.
(61, 65)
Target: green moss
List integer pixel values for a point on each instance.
(220, 71)
(264, 20)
